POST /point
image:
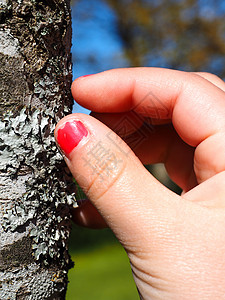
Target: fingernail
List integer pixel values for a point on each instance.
(83, 76)
(70, 135)
(86, 75)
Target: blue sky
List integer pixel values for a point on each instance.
(96, 46)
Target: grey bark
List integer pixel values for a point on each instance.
(36, 190)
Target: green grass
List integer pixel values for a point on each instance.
(101, 274)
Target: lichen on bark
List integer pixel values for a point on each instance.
(37, 190)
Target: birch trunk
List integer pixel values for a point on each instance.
(36, 190)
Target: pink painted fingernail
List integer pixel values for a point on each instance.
(70, 135)
(86, 75)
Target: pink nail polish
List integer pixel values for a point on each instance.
(87, 75)
(70, 135)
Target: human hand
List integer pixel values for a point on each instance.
(176, 244)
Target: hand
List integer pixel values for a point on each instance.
(176, 244)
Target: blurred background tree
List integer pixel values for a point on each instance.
(187, 35)
(182, 34)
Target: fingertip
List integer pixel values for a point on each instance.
(76, 87)
(107, 91)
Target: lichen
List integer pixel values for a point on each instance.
(39, 283)
(39, 34)
(48, 192)
(37, 190)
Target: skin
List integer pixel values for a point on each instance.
(176, 244)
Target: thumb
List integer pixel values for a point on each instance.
(127, 196)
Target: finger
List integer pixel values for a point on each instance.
(133, 121)
(195, 106)
(124, 124)
(210, 193)
(152, 223)
(155, 144)
(157, 93)
(213, 79)
(113, 178)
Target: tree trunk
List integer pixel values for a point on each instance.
(36, 189)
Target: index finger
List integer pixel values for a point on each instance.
(195, 106)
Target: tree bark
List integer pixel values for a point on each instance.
(36, 190)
